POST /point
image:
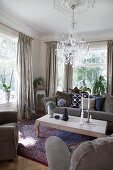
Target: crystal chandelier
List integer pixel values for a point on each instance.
(71, 48)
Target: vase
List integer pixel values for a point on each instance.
(65, 116)
(50, 112)
(7, 96)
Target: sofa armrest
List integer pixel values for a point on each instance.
(46, 99)
(8, 117)
(58, 154)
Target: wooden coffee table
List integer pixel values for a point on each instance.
(96, 129)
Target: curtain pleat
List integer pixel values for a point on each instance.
(110, 67)
(68, 76)
(51, 69)
(25, 94)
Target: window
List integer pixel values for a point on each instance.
(90, 66)
(60, 75)
(8, 48)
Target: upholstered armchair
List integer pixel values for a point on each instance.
(8, 135)
(89, 155)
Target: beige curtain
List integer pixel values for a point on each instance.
(110, 67)
(25, 95)
(51, 69)
(68, 76)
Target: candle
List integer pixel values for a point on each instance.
(88, 102)
(82, 103)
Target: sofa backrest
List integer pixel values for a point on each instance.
(93, 155)
(108, 106)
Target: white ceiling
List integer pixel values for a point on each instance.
(42, 17)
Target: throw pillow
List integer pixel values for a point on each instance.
(109, 104)
(99, 103)
(61, 103)
(91, 103)
(65, 96)
(76, 100)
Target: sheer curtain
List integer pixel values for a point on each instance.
(110, 67)
(25, 94)
(51, 69)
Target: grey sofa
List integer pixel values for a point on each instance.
(89, 155)
(8, 135)
(106, 114)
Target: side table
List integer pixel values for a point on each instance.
(38, 103)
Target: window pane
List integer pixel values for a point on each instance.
(60, 75)
(89, 67)
(8, 48)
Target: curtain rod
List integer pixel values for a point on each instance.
(97, 41)
(51, 42)
(86, 41)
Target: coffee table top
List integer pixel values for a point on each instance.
(97, 128)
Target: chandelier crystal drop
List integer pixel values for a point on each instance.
(71, 49)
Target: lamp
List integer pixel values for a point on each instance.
(71, 48)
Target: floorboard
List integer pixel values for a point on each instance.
(21, 164)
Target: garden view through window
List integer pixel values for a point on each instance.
(8, 49)
(87, 68)
(90, 67)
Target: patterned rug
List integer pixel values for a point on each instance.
(33, 148)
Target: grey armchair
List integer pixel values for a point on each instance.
(8, 135)
(89, 155)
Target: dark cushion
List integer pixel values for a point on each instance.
(66, 96)
(109, 104)
(99, 103)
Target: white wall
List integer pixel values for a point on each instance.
(39, 58)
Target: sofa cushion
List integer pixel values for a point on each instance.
(61, 103)
(109, 104)
(99, 103)
(76, 100)
(66, 96)
(71, 111)
(85, 155)
(102, 115)
(91, 103)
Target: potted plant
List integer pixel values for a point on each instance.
(50, 107)
(6, 86)
(84, 89)
(39, 83)
(99, 86)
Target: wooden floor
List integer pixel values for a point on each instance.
(21, 164)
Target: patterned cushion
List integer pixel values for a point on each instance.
(66, 96)
(109, 104)
(76, 100)
(61, 103)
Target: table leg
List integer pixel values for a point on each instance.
(37, 124)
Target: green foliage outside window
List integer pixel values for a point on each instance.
(89, 67)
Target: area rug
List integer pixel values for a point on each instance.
(32, 147)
